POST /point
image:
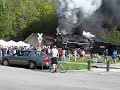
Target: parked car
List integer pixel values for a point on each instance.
(30, 58)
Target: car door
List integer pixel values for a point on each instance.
(24, 59)
(14, 59)
(39, 57)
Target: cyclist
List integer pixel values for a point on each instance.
(54, 60)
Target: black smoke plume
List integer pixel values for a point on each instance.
(99, 17)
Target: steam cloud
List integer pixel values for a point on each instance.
(96, 16)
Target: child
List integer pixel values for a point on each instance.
(95, 58)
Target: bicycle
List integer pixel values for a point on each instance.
(62, 67)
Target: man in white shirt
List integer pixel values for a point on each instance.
(55, 55)
(75, 54)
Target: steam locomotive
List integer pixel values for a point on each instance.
(90, 45)
(70, 41)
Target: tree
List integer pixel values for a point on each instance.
(20, 18)
(113, 37)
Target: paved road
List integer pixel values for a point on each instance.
(12, 78)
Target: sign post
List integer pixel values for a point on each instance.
(40, 39)
(108, 66)
(89, 65)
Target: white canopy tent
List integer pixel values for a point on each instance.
(3, 43)
(21, 43)
(11, 43)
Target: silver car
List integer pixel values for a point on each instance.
(31, 58)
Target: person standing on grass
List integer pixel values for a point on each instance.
(69, 55)
(95, 57)
(75, 55)
(60, 51)
(114, 55)
(106, 55)
(81, 54)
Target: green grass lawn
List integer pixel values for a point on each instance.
(79, 64)
(72, 66)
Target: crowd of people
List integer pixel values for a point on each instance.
(105, 54)
(63, 53)
(96, 57)
(10, 50)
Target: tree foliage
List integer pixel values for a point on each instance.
(20, 18)
(113, 37)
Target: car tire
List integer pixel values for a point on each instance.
(32, 65)
(5, 62)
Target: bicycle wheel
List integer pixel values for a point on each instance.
(62, 67)
(46, 67)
